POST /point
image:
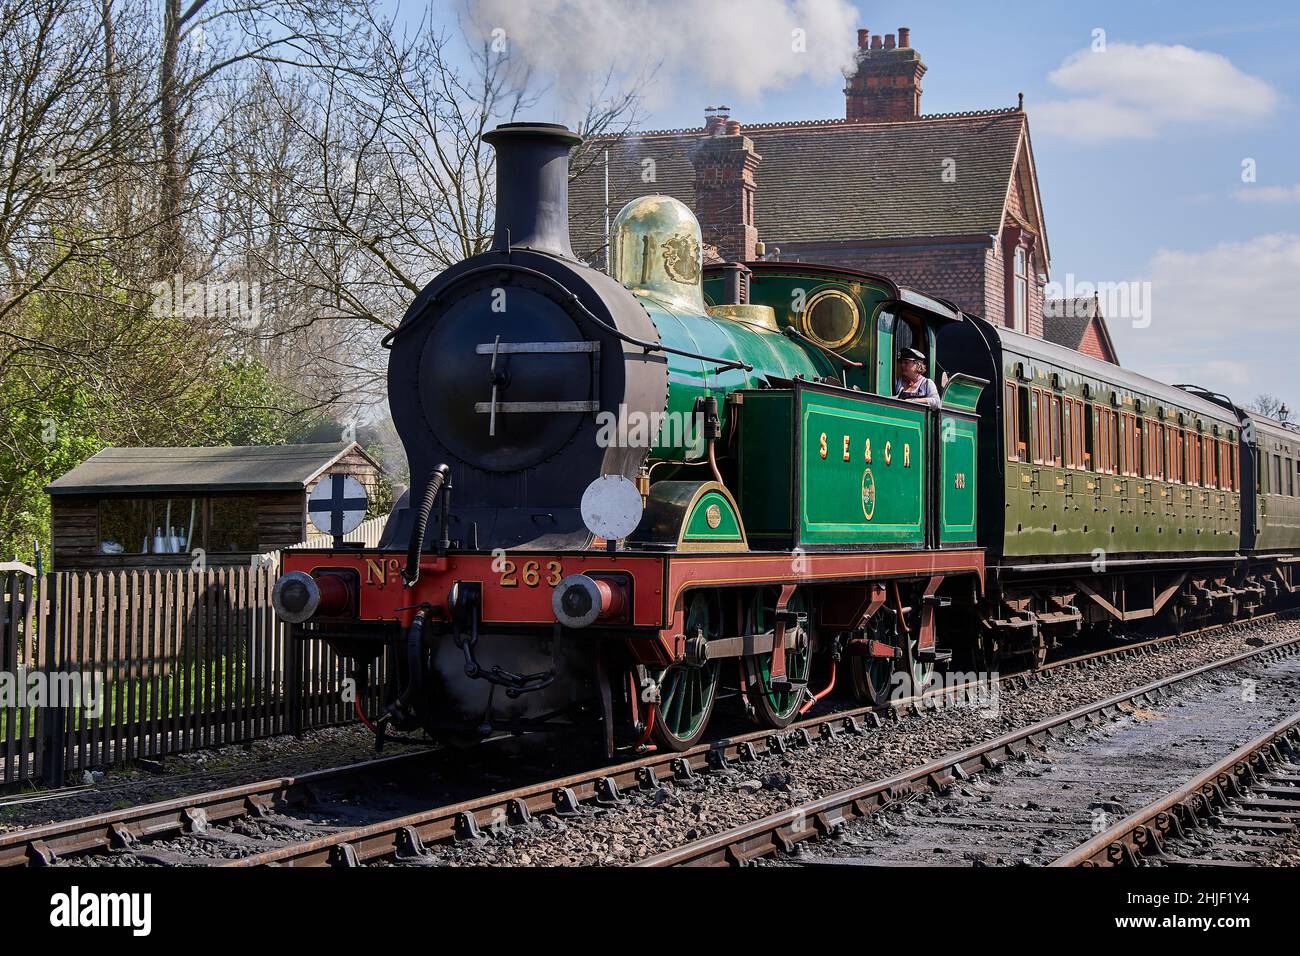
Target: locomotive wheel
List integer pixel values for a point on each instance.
(922, 671)
(776, 708)
(871, 676)
(687, 692)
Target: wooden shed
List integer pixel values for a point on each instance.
(156, 507)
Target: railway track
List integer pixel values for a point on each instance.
(788, 832)
(123, 829)
(406, 836)
(1249, 800)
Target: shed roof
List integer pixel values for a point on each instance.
(219, 469)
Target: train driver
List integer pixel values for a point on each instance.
(912, 384)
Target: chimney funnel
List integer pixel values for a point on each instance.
(889, 41)
(904, 37)
(532, 186)
(876, 42)
(864, 39)
(733, 127)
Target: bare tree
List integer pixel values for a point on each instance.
(376, 178)
(74, 122)
(1270, 406)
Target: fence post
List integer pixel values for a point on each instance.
(53, 763)
(294, 680)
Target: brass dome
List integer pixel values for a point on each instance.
(655, 251)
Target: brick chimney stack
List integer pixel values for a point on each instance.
(886, 84)
(725, 163)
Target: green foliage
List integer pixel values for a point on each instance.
(73, 383)
(42, 439)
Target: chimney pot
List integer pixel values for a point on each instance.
(864, 39)
(885, 88)
(733, 127)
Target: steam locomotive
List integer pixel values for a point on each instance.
(638, 493)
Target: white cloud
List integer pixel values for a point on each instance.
(1225, 317)
(724, 48)
(1140, 92)
(1269, 193)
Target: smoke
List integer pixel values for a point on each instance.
(719, 49)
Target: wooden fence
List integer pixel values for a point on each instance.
(366, 534)
(102, 667)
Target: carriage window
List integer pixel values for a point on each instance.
(1067, 429)
(1037, 417)
(1210, 477)
(1121, 460)
(1089, 439)
(1138, 464)
(1054, 420)
(1011, 417)
(1024, 423)
(1125, 444)
(1105, 442)
(1074, 434)
(1128, 443)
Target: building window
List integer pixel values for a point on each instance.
(1020, 291)
(150, 525)
(177, 525)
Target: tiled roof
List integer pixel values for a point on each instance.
(829, 180)
(1066, 321)
(238, 468)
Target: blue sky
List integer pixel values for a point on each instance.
(1140, 146)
